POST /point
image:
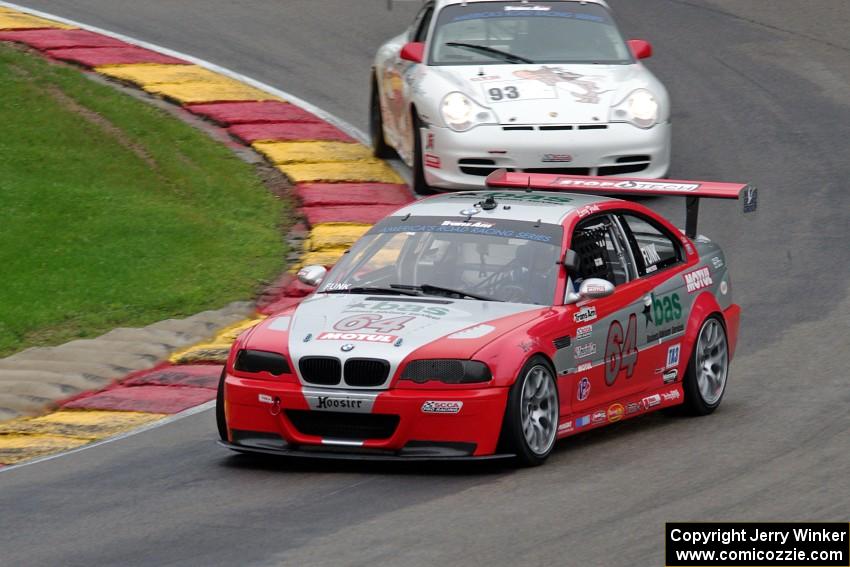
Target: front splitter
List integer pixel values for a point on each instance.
(353, 456)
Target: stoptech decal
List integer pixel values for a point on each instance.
(365, 337)
(698, 279)
(648, 186)
(441, 407)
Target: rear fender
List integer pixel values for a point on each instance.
(703, 307)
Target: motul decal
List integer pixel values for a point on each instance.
(366, 337)
(698, 279)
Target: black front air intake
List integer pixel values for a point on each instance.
(341, 425)
(320, 370)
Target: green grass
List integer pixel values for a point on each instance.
(122, 219)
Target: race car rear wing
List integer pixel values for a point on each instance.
(693, 191)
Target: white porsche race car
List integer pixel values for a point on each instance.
(550, 87)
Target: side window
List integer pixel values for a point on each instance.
(601, 251)
(422, 23)
(654, 248)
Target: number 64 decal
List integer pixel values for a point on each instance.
(621, 350)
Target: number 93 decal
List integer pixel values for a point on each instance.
(621, 350)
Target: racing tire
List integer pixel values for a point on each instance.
(708, 369)
(220, 420)
(420, 186)
(380, 148)
(530, 426)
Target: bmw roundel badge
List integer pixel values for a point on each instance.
(346, 347)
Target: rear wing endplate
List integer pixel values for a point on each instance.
(693, 191)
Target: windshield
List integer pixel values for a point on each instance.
(500, 260)
(511, 32)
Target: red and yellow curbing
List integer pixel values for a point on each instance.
(334, 177)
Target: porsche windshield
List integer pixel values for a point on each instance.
(484, 33)
(498, 260)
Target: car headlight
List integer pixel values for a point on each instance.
(447, 371)
(639, 108)
(256, 361)
(461, 113)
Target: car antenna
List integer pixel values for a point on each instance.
(528, 186)
(489, 203)
(405, 217)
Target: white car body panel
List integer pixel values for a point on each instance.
(580, 96)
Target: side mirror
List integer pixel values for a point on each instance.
(641, 49)
(571, 260)
(413, 51)
(594, 288)
(312, 275)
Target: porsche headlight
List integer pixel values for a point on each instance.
(639, 108)
(460, 113)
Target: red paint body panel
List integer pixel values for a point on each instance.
(335, 194)
(252, 112)
(479, 420)
(56, 39)
(288, 132)
(733, 321)
(94, 57)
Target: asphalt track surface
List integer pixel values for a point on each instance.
(760, 94)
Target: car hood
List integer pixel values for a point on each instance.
(548, 94)
(391, 327)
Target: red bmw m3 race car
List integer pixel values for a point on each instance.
(489, 324)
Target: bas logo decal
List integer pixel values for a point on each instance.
(665, 309)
